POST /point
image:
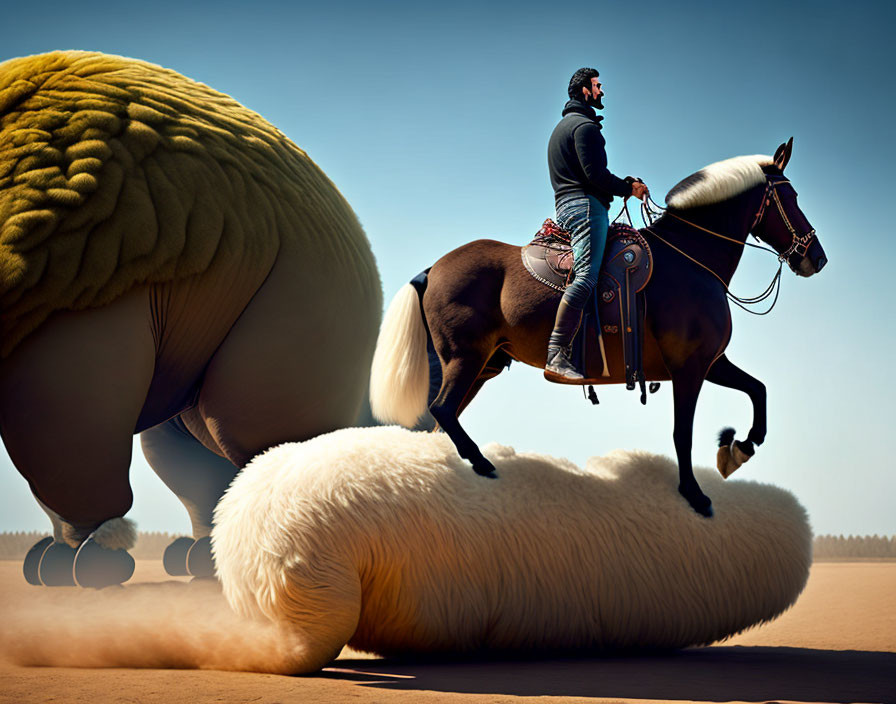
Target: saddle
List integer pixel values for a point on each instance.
(618, 298)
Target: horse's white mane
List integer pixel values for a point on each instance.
(719, 181)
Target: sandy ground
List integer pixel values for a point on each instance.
(838, 644)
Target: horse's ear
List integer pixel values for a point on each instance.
(782, 154)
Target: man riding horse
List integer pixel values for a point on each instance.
(583, 190)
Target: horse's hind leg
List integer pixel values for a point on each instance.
(495, 366)
(459, 384)
(498, 362)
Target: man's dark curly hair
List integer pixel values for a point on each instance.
(581, 79)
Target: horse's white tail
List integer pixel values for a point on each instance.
(399, 375)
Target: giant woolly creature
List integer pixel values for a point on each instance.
(383, 539)
(171, 264)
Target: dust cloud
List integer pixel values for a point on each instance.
(162, 625)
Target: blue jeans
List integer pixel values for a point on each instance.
(586, 220)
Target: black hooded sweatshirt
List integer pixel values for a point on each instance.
(577, 157)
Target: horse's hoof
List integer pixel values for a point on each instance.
(746, 448)
(484, 468)
(30, 567)
(734, 455)
(698, 501)
(200, 562)
(174, 558)
(55, 568)
(97, 567)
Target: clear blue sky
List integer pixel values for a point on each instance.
(433, 121)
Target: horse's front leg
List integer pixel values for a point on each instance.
(726, 374)
(685, 390)
(733, 453)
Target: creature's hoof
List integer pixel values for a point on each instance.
(55, 568)
(200, 562)
(97, 567)
(30, 567)
(175, 557)
(698, 501)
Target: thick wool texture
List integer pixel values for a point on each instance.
(115, 172)
(718, 181)
(385, 539)
(116, 534)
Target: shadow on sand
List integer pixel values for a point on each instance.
(699, 674)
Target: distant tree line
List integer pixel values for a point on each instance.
(151, 545)
(837, 547)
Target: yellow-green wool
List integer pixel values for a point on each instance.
(115, 172)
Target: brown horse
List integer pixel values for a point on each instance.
(481, 308)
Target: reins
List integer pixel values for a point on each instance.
(799, 242)
(737, 300)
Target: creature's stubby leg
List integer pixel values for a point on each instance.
(196, 475)
(70, 396)
(55, 520)
(199, 478)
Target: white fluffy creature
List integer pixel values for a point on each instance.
(384, 539)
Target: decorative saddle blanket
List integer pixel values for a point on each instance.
(619, 300)
(549, 258)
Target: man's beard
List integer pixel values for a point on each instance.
(597, 103)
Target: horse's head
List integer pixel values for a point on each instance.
(781, 223)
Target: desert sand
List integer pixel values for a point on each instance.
(837, 644)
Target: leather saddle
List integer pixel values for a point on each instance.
(618, 297)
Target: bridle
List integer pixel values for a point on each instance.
(799, 244)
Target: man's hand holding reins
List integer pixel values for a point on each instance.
(640, 190)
